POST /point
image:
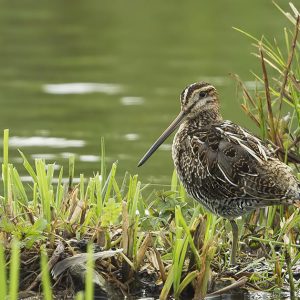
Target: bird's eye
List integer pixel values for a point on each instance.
(202, 94)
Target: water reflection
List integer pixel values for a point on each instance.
(66, 155)
(234, 296)
(47, 156)
(82, 88)
(41, 141)
(131, 136)
(65, 180)
(89, 158)
(255, 295)
(132, 100)
(166, 147)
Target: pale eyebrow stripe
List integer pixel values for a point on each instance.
(193, 88)
(203, 89)
(196, 87)
(185, 93)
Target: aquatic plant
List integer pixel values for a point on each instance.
(273, 106)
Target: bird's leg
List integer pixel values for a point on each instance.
(235, 232)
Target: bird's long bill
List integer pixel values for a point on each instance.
(162, 138)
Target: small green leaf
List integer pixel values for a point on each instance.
(111, 212)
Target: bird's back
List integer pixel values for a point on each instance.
(229, 170)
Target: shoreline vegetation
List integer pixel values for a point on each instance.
(110, 239)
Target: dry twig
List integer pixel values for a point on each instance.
(232, 286)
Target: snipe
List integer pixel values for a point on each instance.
(222, 165)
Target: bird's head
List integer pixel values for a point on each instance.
(197, 98)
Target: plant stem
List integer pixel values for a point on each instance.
(268, 95)
(289, 269)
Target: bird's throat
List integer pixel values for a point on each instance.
(204, 118)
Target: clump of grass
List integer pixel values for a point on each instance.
(274, 107)
(52, 219)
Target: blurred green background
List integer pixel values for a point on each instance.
(73, 71)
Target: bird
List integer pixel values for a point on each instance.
(222, 165)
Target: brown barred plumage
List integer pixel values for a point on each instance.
(223, 166)
(229, 170)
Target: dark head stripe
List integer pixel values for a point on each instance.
(188, 91)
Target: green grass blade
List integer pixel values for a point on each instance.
(28, 167)
(103, 166)
(46, 284)
(186, 281)
(45, 193)
(50, 174)
(133, 208)
(117, 190)
(3, 288)
(188, 233)
(81, 187)
(183, 255)
(71, 170)
(18, 187)
(79, 296)
(98, 188)
(246, 34)
(167, 286)
(35, 195)
(91, 189)
(5, 164)
(59, 189)
(89, 284)
(14, 271)
(110, 181)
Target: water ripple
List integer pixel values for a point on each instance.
(131, 136)
(42, 141)
(82, 88)
(89, 158)
(132, 100)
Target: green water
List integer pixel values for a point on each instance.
(138, 54)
